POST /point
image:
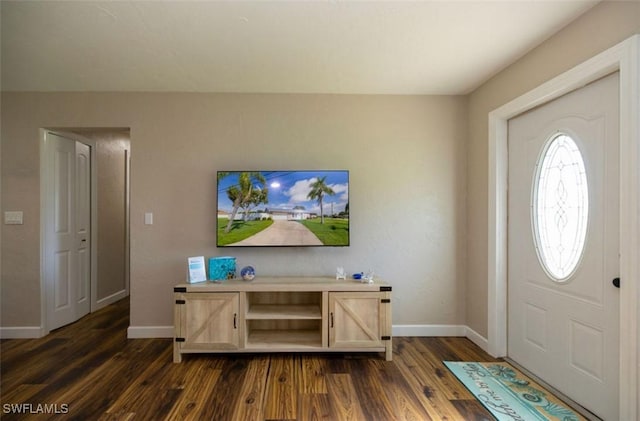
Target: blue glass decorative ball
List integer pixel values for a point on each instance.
(248, 273)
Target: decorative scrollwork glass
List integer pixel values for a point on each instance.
(560, 207)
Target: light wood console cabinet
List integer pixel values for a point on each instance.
(296, 314)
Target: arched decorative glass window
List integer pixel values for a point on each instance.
(560, 207)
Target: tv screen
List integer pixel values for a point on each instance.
(283, 208)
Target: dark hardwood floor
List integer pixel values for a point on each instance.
(90, 371)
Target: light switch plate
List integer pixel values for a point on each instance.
(148, 218)
(13, 218)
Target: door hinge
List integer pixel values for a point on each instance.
(180, 289)
(180, 340)
(386, 338)
(181, 302)
(385, 300)
(385, 288)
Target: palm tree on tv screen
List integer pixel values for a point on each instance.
(318, 190)
(257, 196)
(244, 194)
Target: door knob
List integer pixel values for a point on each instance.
(616, 282)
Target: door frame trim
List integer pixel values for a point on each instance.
(44, 190)
(625, 58)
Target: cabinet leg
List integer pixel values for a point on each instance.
(388, 354)
(177, 356)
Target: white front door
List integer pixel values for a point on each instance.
(67, 256)
(563, 236)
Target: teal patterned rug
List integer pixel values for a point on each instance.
(509, 394)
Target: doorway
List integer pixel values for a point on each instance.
(623, 57)
(105, 258)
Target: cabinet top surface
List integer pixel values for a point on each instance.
(293, 283)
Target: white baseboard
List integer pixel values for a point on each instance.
(34, 332)
(144, 332)
(477, 339)
(140, 332)
(442, 330)
(25, 332)
(428, 330)
(103, 302)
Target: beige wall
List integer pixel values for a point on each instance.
(418, 179)
(111, 149)
(407, 162)
(600, 28)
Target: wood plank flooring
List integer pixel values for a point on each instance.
(90, 371)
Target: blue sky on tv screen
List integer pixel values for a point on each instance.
(288, 189)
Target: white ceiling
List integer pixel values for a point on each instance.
(381, 47)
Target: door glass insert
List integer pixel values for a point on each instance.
(560, 207)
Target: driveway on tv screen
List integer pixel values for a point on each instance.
(280, 233)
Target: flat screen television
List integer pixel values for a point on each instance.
(283, 208)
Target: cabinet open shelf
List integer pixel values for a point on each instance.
(283, 339)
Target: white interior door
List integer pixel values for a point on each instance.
(563, 244)
(67, 256)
